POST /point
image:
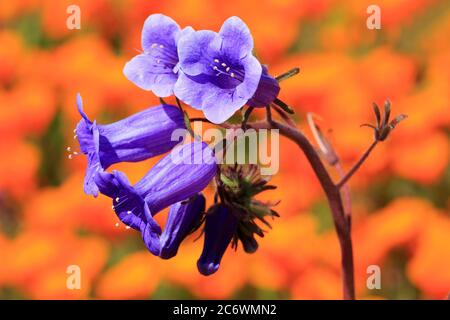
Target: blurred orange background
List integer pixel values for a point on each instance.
(401, 203)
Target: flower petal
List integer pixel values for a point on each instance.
(183, 217)
(130, 207)
(140, 136)
(159, 29)
(151, 236)
(128, 204)
(253, 71)
(237, 39)
(196, 53)
(93, 167)
(186, 171)
(190, 92)
(80, 108)
(145, 72)
(217, 104)
(220, 105)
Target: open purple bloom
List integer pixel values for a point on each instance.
(156, 69)
(219, 72)
(165, 184)
(267, 91)
(220, 227)
(183, 217)
(141, 136)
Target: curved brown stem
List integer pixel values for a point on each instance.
(357, 165)
(334, 198)
(345, 194)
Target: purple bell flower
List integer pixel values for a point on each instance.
(220, 227)
(165, 184)
(156, 69)
(183, 217)
(219, 72)
(141, 136)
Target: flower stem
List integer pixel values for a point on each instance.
(357, 165)
(332, 192)
(347, 201)
(247, 114)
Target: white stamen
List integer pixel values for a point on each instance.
(127, 227)
(117, 199)
(215, 68)
(227, 69)
(154, 45)
(117, 224)
(216, 60)
(70, 156)
(75, 153)
(69, 149)
(158, 61)
(128, 212)
(232, 75)
(224, 64)
(75, 136)
(112, 207)
(161, 46)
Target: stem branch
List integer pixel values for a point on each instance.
(357, 165)
(334, 198)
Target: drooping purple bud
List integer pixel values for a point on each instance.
(267, 91)
(183, 217)
(141, 136)
(220, 226)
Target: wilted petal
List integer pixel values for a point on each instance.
(183, 217)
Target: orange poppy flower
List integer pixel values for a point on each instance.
(317, 283)
(423, 158)
(19, 168)
(429, 268)
(136, 276)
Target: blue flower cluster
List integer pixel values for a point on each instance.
(175, 184)
(214, 72)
